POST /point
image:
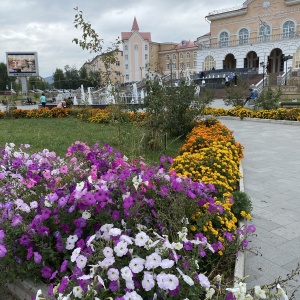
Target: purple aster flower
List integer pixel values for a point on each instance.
(190, 194)
(228, 236)
(164, 191)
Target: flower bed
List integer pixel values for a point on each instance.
(96, 225)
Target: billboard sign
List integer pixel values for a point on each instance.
(22, 64)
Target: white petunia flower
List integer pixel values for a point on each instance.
(115, 232)
(177, 246)
(282, 292)
(106, 262)
(132, 296)
(108, 252)
(113, 274)
(75, 254)
(141, 239)
(126, 273)
(167, 263)
(148, 281)
(86, 215)
(153, 261)
(259, 292)
(121, 249)
(81, 261)
(136, 265)
(77, 292)
(209, 293)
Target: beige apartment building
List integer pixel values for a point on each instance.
(256, 34)
(115, 71)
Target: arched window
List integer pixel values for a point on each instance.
(174, 56)
(195, 54)
(180, 55)
(167, 57)
(224, 39)
(126, 47)
(188, 55)
(288, 29)
(264, 32)
(209, 63)
(136, 47)
(243, 36)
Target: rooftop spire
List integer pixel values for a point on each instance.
(135, 26)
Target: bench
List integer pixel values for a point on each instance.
(289, 104)
(28, 103)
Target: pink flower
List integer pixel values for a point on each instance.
(64, 170)
(47, 174)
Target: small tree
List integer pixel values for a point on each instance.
(235, 95)
(268, 98)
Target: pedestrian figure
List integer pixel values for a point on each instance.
(43, 100)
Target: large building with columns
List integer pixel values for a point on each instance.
(257, 34)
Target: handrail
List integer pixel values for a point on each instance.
(255, 40)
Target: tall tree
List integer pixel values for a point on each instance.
(5, 80)
(59, 78)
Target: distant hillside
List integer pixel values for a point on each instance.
(49, 79)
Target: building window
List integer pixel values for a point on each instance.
(224, 39)
(188, 55)
(195, 54)
(126, 67)
(118, 73)
(243, 36)
(209, 63)
(174, 56)
(146, 56)
(127, 77)
(126, 47)
(188, 64)
(167, 57)
(117, 63)
(264, 32)
(181, 65)
(126, 56)
(136, 47)
(168, 66)
(288, 29)
(174, 66)
(146, 47)
(181, 55)
(195, 63)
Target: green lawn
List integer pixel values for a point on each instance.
(57, 134)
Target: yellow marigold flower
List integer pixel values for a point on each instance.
(193, 228)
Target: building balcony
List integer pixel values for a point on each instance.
(251, 41)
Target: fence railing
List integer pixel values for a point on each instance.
(247, 41)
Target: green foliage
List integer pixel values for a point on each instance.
(236, 95)
(269, 98)
(242, 202)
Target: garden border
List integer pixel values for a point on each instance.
(25, 290)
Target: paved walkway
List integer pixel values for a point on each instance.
(272, 180)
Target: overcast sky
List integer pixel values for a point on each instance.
(47, 27)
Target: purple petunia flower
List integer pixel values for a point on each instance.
(114, 286)
(37, 257)
(46, 272)
(64, 265)
(2, 250)
(80, 222)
